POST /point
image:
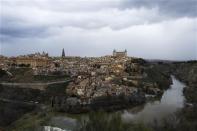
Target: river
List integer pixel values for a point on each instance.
(171, 101)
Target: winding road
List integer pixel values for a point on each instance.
(40, 85)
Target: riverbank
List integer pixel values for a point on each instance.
(186, 119)
(52, 119)
(156, 110)
(187, 72)
(109, 93)
(130, 90)
(113, 92)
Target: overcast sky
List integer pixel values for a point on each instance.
(153, 29)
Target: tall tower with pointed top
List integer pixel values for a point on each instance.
(63, 53)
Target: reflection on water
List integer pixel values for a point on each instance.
(171, 101)
(60, 123)
(50, 128)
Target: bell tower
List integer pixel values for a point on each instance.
(63, 53)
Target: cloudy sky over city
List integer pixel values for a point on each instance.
(152, 29)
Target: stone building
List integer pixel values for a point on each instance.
(32, 60)
(120, 53)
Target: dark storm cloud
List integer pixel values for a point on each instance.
(176, 8)
(15, 27)
(21, 31)
(162, 29)
(19, 18)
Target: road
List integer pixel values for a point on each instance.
(20, 102)
(40, 85)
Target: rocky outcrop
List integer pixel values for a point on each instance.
(151, 90)
(107, 103)
(111, 91)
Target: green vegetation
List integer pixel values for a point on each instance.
(21, 74)
(30, 122)
(10, 112)
(34, 121)
(187, 73)
(2, 73)
(191, 94)
(57, 89)
(101, 121)
(160, 77)
(45, 78)
(25, 74)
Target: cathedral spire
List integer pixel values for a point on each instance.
(63, 53)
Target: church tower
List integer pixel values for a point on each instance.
(125, 52)
(114, 52)
(63, 53)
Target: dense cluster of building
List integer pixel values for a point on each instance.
(31, 60)
(42, 63)
(91, 77)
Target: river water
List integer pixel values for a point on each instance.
(171, 101)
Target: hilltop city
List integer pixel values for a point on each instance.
(89, 78)
(69, 84)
